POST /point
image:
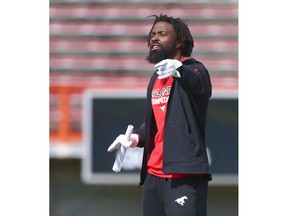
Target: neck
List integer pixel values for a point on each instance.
(178, 56)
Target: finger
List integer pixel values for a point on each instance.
(177, 74)
(113, 146)
(177, 63)
(165, 73)
(129, 131)
(127, 144)
(164, 76)
(163, 62)
(160, 73)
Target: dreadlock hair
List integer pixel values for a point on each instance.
(183, 34)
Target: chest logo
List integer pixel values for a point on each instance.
(163, 108)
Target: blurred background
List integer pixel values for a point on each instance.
(98, 50)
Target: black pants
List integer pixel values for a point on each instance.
(175, 197)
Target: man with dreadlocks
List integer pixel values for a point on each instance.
(175, 170)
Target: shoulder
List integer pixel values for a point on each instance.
(193, 63)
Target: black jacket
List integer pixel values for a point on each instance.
(184, 148)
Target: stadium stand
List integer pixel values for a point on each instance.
(102, 43)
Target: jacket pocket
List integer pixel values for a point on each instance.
(179, 145)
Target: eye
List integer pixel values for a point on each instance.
(151, 36)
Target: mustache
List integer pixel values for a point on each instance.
(156, 43)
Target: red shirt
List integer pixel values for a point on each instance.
(159, 100)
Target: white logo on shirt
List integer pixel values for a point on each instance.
(163, 108)
(160, 96)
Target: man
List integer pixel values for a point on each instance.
(175, 170)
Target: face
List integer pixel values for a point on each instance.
(162, 42)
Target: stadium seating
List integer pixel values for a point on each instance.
(100, 40)
(86, 23)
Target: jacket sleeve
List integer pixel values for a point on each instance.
(195, 79)
(141, 133)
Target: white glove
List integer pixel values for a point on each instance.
(167, 68)
(121, 140)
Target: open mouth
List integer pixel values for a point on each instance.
(154, 47)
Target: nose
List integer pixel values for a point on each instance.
(154, 38)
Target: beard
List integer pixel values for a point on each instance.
(156, 56)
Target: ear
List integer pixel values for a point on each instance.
(178, 44)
